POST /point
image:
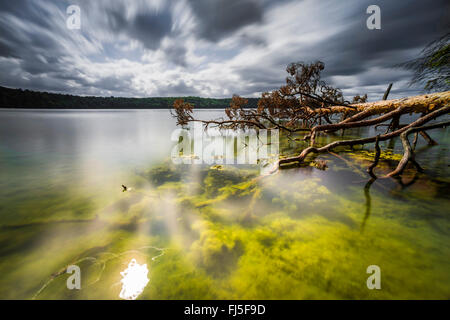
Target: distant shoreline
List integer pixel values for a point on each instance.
(81, 109)
(106, 108)
(26, 99)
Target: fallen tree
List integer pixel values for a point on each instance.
(307, 104)
(389, 109)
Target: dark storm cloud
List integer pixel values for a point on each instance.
(152, 47)
(151, 27)
(10, 76)
(219, 18)
(34, 33)
(147, 26)
(13, 40)
(407, 27)
(26, 10)
(32, 39)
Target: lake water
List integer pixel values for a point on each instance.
(208, 232)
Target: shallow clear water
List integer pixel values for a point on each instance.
(207, 232)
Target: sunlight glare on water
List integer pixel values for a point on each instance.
(134, 280)
(227, 232)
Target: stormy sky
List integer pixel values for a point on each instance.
(211, 48)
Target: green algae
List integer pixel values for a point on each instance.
(227, 233)
(365, 155)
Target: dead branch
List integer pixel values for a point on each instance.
(377, 158)
(357, 124)
(408, 155)
(429, 140)
(388, 90)
(363, 141)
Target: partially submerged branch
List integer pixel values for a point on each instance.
(431, 116)
(377, 158)
(408, 155)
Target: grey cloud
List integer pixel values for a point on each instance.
(251, 40)
(113, 83)
(176, 53)
(150, 28)
(38, 52)
(32, 37)
(147, 25)
(219, 18)
(14, 38)
(179, 88)
(34, 34)
(407, 26)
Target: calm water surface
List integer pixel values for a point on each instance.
(210, 232)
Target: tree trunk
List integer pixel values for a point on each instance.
(417, 104)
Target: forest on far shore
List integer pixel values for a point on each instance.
(26, 99)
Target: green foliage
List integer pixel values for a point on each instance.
(432, 68)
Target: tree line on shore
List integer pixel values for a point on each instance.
(26, 99)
